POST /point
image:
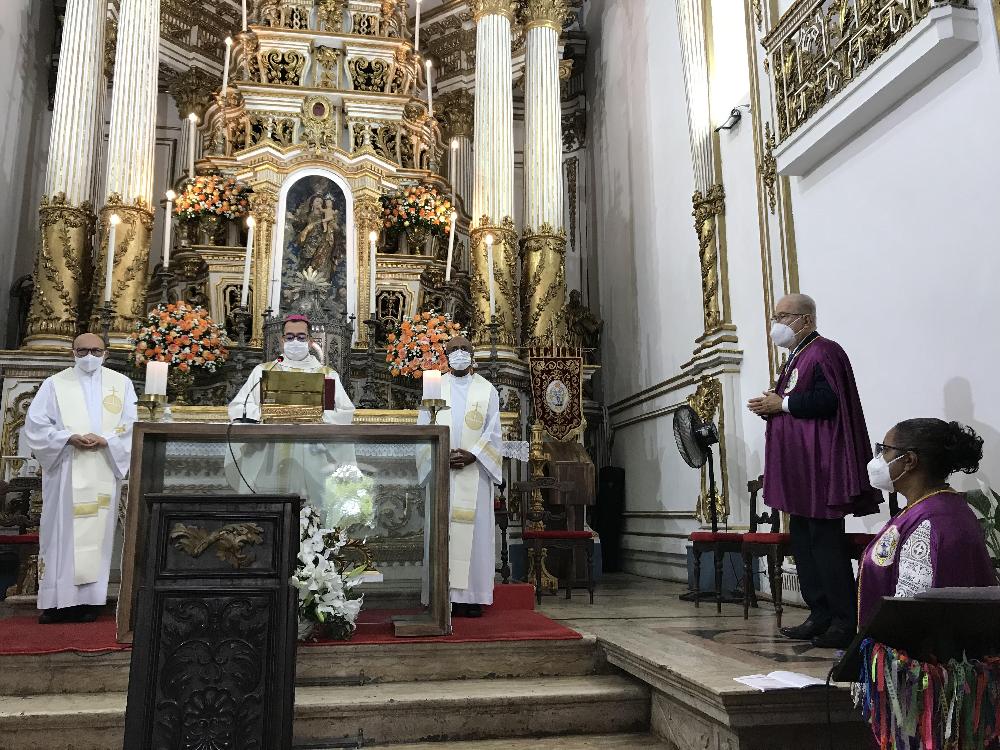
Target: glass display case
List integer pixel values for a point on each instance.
(386, 486)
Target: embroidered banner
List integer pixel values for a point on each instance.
(557, 389)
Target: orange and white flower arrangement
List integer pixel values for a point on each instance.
(417, 344)
(416, 207)
(181, 335)
(213, 194)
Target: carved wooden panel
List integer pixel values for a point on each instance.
(213, 663)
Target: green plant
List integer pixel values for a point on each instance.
(986, 504)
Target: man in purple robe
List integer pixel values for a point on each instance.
(815, 467)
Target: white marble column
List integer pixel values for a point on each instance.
(131, 144)
(456, 115)
(493, 180)
(66, 212)
(544, 276)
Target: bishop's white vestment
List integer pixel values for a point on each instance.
(80, 488)
(474, 423)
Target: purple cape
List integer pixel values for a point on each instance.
(817, 468)
(958, 551)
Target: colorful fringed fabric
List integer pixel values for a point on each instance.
(913, 705)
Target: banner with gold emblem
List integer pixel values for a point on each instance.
(557, 392)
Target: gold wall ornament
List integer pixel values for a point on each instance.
(768, 168)
(369, 74)
(320, 124)
(328, 61)
(456, 113)
(60, 270)
(550, 14)
(572, 179)
(544, 285)
(193, 91)
(481, 8)
(708, 210)
(574, 130)
(504, 282)
(820, 46)
(229, 541)
(331, 15)
(131, 263)
(283, 66)
(110, 44)
(707, 402)
(367, 219)
(13, 421)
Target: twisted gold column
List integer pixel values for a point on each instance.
(263, 208)
(367, 219)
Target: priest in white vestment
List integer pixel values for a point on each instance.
(79, 428)
(476, 462)
(297, 468)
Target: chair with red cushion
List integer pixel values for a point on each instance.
(771, 544)
(719, 543)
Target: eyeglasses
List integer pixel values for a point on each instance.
(97, 352)
(296, 337)
(881, 447)
(785, 317)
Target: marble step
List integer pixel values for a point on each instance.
(329, 665)
(390, 713)
(564, 742)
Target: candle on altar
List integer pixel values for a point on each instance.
(225, 66)
(430, 95)
(168, 218)
(432, 385)
(244, 15)
(372, 239)
(113, 223)
(451, 245)
(489, 273)
(453, 167)
(416, 30)
(156, 378)
(245, 292)
(192, 131)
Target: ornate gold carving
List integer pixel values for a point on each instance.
(574, 130)
(264, 207)
(544, 285)
(550, 14)
(504, 284)
(367, 219)
(819, 46)
(13, 421)
(320, 124)
(328, 59)
(769, 168)
(331, 15)
(369, 75)
(707, 209)
(64, 245)
(758, 13)
(572, 171)
(456, 113)
(283, 66)
(192, 91)
(131, 260)
(228, 541)
(110, 43)
(706, 401)
(482, 8)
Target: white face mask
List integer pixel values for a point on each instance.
(459, 360)
(90, 363)
(782, 335)
(296, 350)
(880, 475)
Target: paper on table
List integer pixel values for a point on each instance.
(779, 681)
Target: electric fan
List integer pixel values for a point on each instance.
(695, 439)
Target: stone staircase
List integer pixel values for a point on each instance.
(439, 696)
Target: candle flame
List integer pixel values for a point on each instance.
(428, 64)
(251, 222)
(115, 219)
(229, 41)
(489, 239)
(373, 237)
(454, 216)
(193, 117)
(454, 144)
(171, 195)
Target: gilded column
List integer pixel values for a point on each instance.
(544, 275)
(456, 113)
(367, 219)
(493, 180)
(66, 212)
(263, 208)
(131, 141)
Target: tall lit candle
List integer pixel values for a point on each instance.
(372, 239)
(453, 167)
(244, 15)
(168, 219)
(109, 270)
(245, 292)
(430, 86)
(192, 131)
(156, 378)
(432, 385)
(489, 273)
(416, 30)
(451, 245)
(225, 66)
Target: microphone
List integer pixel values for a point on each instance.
(245, 419)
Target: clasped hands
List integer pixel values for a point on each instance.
(459, 459)
(767, 404)
(88, 442)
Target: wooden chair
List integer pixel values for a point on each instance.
(16, 512)
(719, 543)
(772, 544)
(857, 542)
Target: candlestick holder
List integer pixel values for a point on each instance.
(105, 317)
(493, 327)
(369, 399)
(434, 405)
(165, 278)
(241, 321)
(151, 404)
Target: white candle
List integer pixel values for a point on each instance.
(432, 384)
(113, 223)
(416, 30)
(245, 293)
(430, 95)
(244, 15)
(489, 273)
(156, 378)
(225, 66)
(192, 130)
(453, 167)
(451, 245)
(372, 239)
(168, 219)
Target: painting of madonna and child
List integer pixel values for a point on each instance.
(315, 236)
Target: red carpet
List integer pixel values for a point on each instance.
(511, 618)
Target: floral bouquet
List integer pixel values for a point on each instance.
(213, 194)
(348, 498)
(328, 601)
(183, 336)
(417, 207)
(417, 344)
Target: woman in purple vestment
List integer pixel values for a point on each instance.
(936, 541)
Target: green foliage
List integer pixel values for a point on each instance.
(985, 503)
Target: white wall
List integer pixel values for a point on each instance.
(25, 42)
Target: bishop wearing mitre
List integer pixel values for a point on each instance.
(476, 461)
(79, 428)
